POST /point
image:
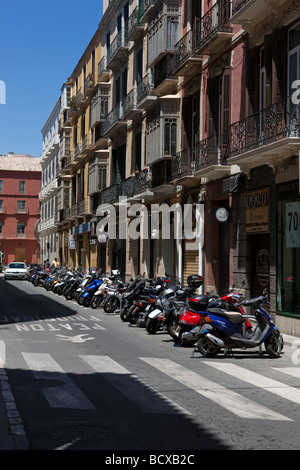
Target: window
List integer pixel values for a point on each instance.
(101, 183)
(21, 206)
(1, 227)
(21, 187)
(20, 230)
(1, 186)
(170, 137)
(288, 249)
(1, 206)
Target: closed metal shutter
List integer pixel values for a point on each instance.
(190, 262)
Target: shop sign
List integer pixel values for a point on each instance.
(293, 224)
(257, 211)
(72, 244)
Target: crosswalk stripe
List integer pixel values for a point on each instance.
(258, 380)
(132, 387)
(293, 371)
(68, 395)
(230, 400)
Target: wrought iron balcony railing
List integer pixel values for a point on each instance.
(216, 20)
(136, 184)
(145, 7)
(145, 87)
(134, 25)
(270, 125)
(238, 4)
(182, 164)
(111, 194)
(185, 49)
(121, 40)
(115, 115)
(209, 152)
(102, 68)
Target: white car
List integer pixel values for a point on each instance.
(15, 270)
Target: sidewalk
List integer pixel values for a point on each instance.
(12, 432)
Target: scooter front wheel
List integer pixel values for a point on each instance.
(274, 344)
(110, 304)
(206, 347)
(152, 326)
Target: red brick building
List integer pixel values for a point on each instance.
(20, 184)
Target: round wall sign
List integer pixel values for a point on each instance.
(222, 214)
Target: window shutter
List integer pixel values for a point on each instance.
(212, 107)
(226, 109)
(268, 69)
(279, 65)
(251, 81)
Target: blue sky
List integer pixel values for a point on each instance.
(41, 42)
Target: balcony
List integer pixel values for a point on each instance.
(80, 99)
(187, 61)
(146, 7)
(266, 136)
(100, 103)
(87, 146)
(77, 152)
(66, 119)
(210, 158)
(83, 208)
(114, 122)
(138, 186)
(130, 109)
(215, 29)
(164, 80)
(117, 54)
(111, 194)
(163, 34)
(253, 11)
(182, 168)
(145, 94)
(135, 27)
(103, 71)
(88, 87)
(161, 182)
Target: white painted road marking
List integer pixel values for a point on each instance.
(68, 395)
(132, 387)
(228, 399)
(258, 380)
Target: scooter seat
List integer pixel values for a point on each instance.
(234, 317)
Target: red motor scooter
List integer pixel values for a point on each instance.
(198, 307)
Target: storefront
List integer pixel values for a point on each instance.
(288, 250)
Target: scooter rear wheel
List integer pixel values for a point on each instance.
(96, 301)
(206, 347)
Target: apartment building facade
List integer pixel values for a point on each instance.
(20, 183)
(188, 103)
(49, 185)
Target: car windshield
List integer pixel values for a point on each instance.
(16, 265)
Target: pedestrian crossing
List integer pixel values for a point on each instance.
(228, 392)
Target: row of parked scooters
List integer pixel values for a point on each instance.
(210, 323)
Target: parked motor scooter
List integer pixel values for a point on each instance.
(226, 330)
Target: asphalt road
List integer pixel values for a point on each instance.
(83, 379)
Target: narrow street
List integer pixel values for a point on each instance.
(83, 379)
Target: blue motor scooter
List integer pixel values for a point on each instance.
(223, 330)
(88, 292)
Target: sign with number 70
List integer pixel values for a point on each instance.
(293, 224)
